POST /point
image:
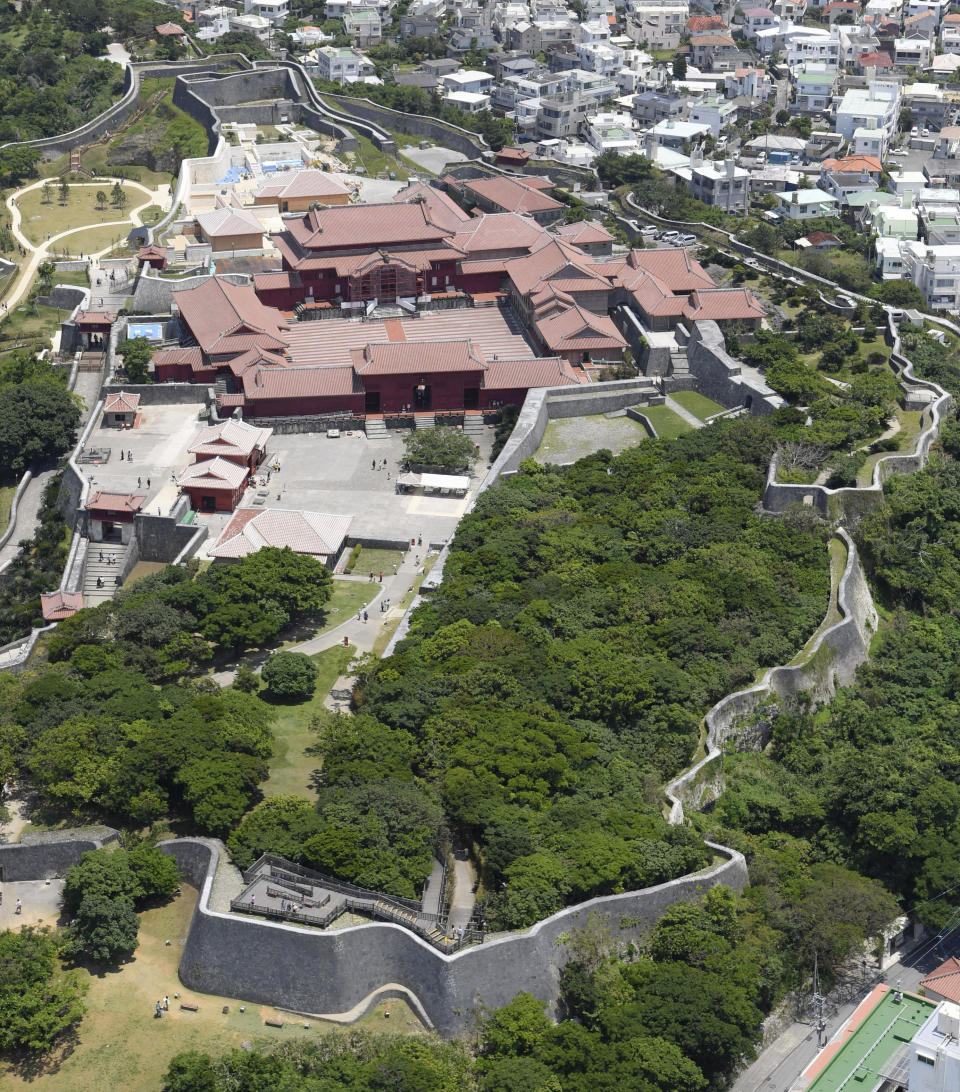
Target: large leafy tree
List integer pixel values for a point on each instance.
(38, 420)
(37, 1002)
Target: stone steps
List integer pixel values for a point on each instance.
(473, 426)
(94, 567)
(376, 429)
(424, 420)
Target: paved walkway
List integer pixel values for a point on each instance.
(430, 903)
(671, 404)
(464, 880)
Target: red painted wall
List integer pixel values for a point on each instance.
(226, 499)
(446, 389)
(296, 407)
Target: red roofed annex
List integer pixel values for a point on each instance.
(420, 305)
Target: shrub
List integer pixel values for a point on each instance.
(290, 675)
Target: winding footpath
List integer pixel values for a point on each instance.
(37, 254)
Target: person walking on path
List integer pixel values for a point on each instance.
(364, 616)
(19, 909)
(166, 1003)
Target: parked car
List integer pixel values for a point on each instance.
(686, 240)
(897, 151)
(670, 236)
(915, 131)
(650, 231)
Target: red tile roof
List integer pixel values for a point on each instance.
(511, 195)
(875, 60)
(96, 318)
(236, 438)
(115, 502)
(815, 238)
(192, 356)
(265, 281)
(697, 24)
(304, 382)
(944, 981)
(545, 371)
(152, 251)
(308, 183)
(354, 227)
(58, 605)
(228, 318)
(215, 473)
(724, 304)
(512, 155)
(584, 233)
(414, 357)
(499, 231)
(441, 207)
(578, 329)
(121, 403)
(168, 29)
(854, 164)
(319, 534)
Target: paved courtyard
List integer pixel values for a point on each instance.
(318, 474)
(159, 448)
(41, 903)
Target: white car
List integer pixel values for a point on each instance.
(649, 231)
(670, 236)
(686, 240)
(897, 151)
(915, 131)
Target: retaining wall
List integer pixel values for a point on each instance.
(154, 295)
(329, 972)
(720, 377)
(46, 855)
(831, 662)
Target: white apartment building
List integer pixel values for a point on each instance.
(602, 58)
(469, 102)
(723, 185)
(935, 1052)
(874, 107)
(469, 80)
(757, 19)
(715, 112)
(803, 44)
(752, 83)
(912, 52)
(612, 132)
(593, 32)
(806, 204)
(889, 260)
(256, 25)
(950, 37)
(935, 270)
(658, 24)
(814, 85)
(342, 64)
(274, 10)
(337, 9)
(918, 7)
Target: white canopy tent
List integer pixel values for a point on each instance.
(447, 483)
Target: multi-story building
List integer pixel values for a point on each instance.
(714, 111)
(714, 52)
(757, 19)
(363, 27)
(611, 132)
(814, 88)
(806, 204)
(342, 64)
(751, 83)
(874, 107)
(274, 10)
(723, 185)
(658, 24)
(935, 270)
(935, 1052)
(803, 44)
(912, 52)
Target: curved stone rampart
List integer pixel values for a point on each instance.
(316, 972)
(831, 661)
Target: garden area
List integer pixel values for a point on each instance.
(56, 207)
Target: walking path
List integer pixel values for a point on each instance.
(672, 404)
(36, 255)
(430, 903)
(464, 881)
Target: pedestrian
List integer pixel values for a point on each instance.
(99, 581)
(166, 1003)
(148, 483)
(101, 555)
(129, 456)
(373, 464)
(419, 540)
(116, 580)
(121, 455)
(381, 577)
(19, 909)
(253, 900)
(158, 1008)
(359, 615)
(138, 483)
(364, 615)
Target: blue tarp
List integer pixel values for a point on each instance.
(152, 331)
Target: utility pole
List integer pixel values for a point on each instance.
(818, 1000)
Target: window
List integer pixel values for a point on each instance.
(925, 1059)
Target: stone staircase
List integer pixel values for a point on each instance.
(107, 572)
(376, 429)
(473, 426)
(424, 420)
(678, 364)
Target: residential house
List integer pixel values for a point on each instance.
(943, 983)
(676, 134)
(814, 85)
(924, 24)
(806, 204)
(819, 241)
(852, 174)
(869, 142)
(889, 261)
(654, 106)
(927, 103)
(935, 1051)
(611, 132)
(276, 11)
(749, 83)
(363, 27)
(723, 185)
(935, 270)
(256, 25)
(803, 44)
(657, 24)
(470, 102)
(842, 11)
(474, 81)
(874, 65)
(912, 52)
(937, 8)
(714, 52)
(950, 34)
(894, 222)
(717, 113)
(757, 19)
(874, 107)
(342, 64)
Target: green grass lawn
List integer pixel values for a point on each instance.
(698, 404)
(31, 326)
(348, 597)
(291, 766)
(93, 240)
(375, 162)
(668, 424)
(911, 425)
(838, 561)
(6, 500)
(377, 561)
(119, 1043)
(40, 218)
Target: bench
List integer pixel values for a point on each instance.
(274, 1023)
(190, 1006)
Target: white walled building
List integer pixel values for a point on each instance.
(935, 270)
(935, 1052)
(874, 107)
